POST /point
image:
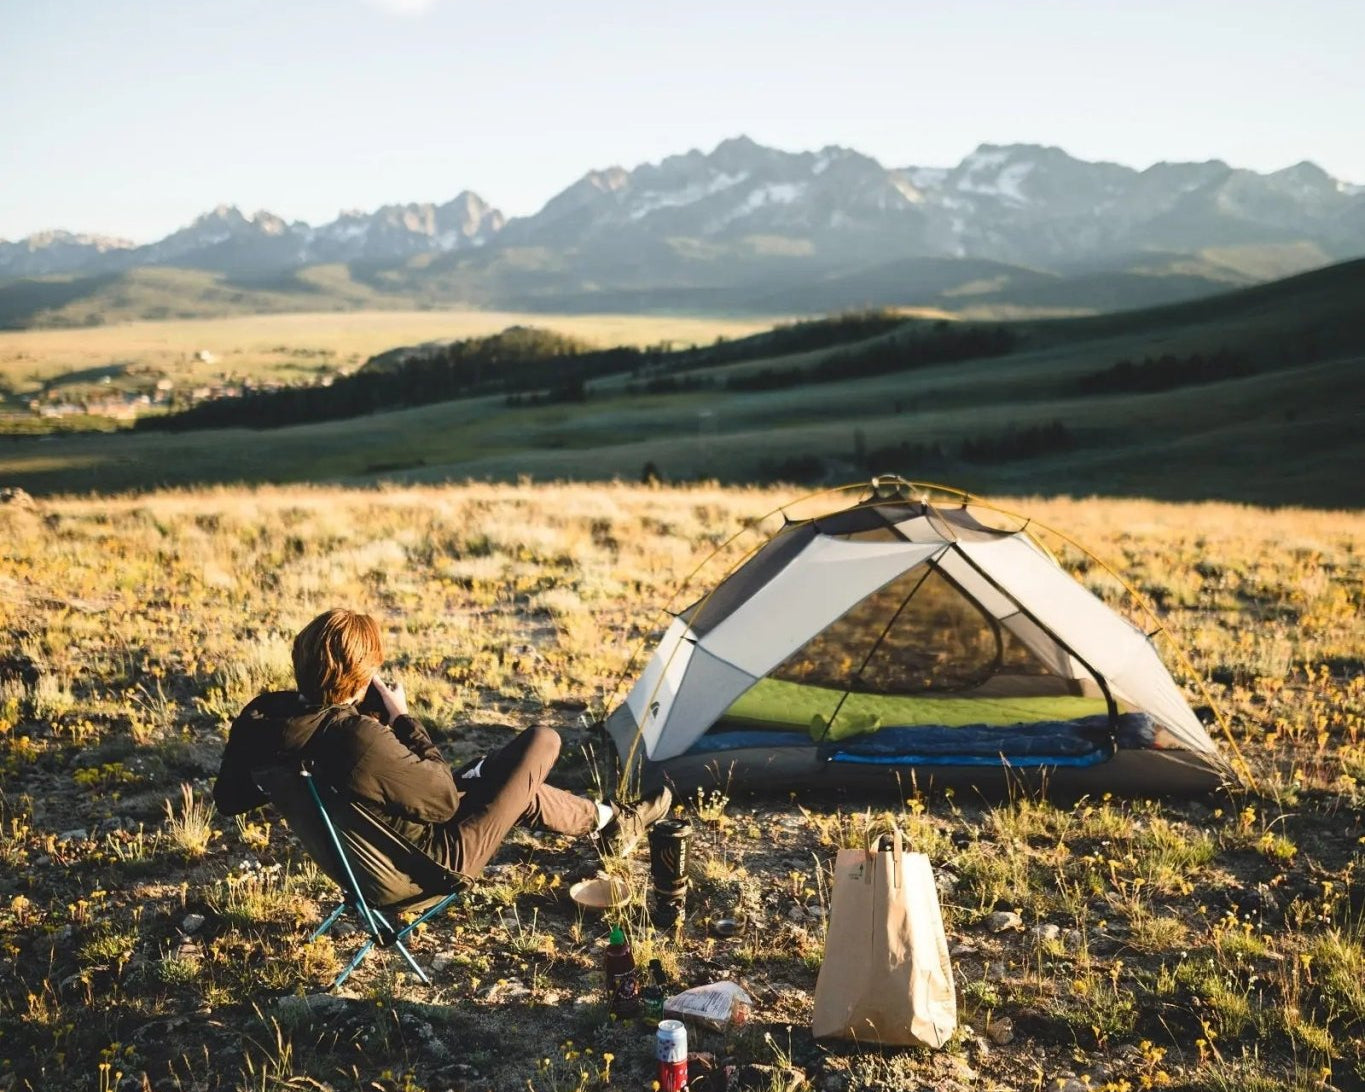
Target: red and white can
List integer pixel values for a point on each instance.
(671, 1046)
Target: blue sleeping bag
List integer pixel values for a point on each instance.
(1081, 742)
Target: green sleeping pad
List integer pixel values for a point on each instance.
(773, 703)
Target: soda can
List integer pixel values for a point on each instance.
(671, 1047)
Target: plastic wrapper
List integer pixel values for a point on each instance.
(717, 1005)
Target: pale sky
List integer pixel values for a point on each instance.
(131, 117)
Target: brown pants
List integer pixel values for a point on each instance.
(510, 789)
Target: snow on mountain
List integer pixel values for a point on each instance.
(774, 193)
(927, 178)
(350, 225)
(979, 171)
(999, 183)
(650, 201)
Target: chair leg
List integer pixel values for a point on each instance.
(378, 919)
(421, 974)
(331, 920)
(364, 951)
(428, 915)
(402, 948)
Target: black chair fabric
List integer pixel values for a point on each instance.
(391, 872)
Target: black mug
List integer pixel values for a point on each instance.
(668, 868)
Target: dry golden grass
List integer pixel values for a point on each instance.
(1211, 944)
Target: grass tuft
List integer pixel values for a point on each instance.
(190, 827)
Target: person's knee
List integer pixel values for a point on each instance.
(543, 743)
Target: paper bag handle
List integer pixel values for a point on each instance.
(896, 849)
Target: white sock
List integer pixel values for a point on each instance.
(604, 814)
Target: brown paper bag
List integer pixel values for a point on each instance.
(885, 977)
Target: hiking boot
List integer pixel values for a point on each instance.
(629, 822)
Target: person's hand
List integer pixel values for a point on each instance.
(395, 701)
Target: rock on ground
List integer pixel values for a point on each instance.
(1002, 920)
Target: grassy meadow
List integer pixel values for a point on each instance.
(291, 347)
(147, 943)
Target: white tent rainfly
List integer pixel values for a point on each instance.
(909, 636)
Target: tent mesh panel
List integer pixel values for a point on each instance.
(917, 634)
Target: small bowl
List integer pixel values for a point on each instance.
(600, 892)
(727, 925)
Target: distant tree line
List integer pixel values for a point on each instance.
(993, 447)
(529, 366)
(942, 343)
(905, 455)
(569, 389)
(1024, 443)
(802, 337)
(672, 384)
(913, 456)
(1166, 372)
(518, 358)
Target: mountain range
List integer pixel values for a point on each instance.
(227, 241)
(750, 227)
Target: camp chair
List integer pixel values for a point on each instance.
(379, 871)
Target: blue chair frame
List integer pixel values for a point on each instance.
(419, 883)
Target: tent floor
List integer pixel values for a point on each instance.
(768, 771)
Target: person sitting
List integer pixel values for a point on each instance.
(360, 738)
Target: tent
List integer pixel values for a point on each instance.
(915, 637)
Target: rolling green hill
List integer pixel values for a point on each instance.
(1280, 420)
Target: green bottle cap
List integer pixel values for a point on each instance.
(618, 935)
